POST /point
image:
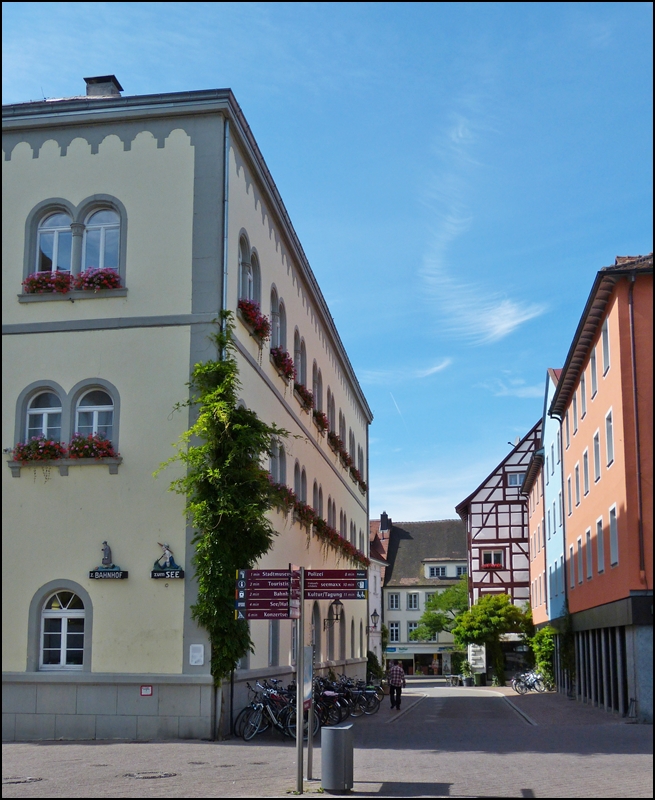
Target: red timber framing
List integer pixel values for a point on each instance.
(496, 518)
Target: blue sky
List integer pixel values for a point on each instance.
(456, 172)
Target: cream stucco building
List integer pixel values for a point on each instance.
(173, 193)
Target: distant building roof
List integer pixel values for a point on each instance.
(413, 543)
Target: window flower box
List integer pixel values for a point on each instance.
(355, 474)
(91, 446)
(303, 514)
(321, 421)
(249, 313)
(47, 282)
(363, 487)
(41, 452)
(492, 566)
(335, 442)
(39, 449)
(96, 280)
(304, 396)
(283, 363)
(282, 497)
(64, 463)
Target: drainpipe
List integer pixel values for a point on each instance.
(633, 353)
(226, 178)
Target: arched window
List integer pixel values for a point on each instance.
(296, 480)
(296, 355)
(351, 444)
(315, 385)
(361, 542)
(320, 502)
(283, 326)
(255, 272)
(62, 632)
(246, 280)
(44, 416)
(303, 486)
(330, 518)
(95, 414)
(278, 463)
(54, 243)
(342, 427)
(318, 396)
(334, 514)
(275, 319)
(330, 633)
(360, 460)
(302, 377)
(330, 412)
(315, 497)
(102, 240)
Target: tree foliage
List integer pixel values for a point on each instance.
(485, 622)
(442, 610)
(543, 647)
(228, 494)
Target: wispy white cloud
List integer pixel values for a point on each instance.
(513, 388)
(401, 375)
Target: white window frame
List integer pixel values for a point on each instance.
(394, 632)
(95, 411)
(590, 563)
(614, 536)
(493, 553)
(571, 567)
(436, 572)
(609, 438)
(580, 561)
(577, 483)
(462, 571)
(583, 395)
(600, 546)
(585, 472)
(45, 413)
(64, 614)
(411, 626)
(597, 456)
(56, 232)
(567, 429)
(605, 334)
(575, 412)
(594, 373)
(569, 493)
(412, 601)
(393, 601)
(103, 227)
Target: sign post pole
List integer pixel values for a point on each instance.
(300, 675)
(310, 721)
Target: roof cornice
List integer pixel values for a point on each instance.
(532, 473)
(591, 319)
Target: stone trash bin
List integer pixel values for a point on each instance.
(337, 759)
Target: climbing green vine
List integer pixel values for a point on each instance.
(228, 494)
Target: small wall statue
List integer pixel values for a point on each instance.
(107, 569)
(165, 566)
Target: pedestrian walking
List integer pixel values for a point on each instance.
(396, 678)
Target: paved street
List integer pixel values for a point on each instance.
(444, 742)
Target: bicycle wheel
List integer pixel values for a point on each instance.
(240, 721)
(358, 707)
(520, 688)
(539, 685)
(251, 727)
(372, 705)
(291, 724)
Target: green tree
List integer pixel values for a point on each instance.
(484, 623)
(442, 610)
(228, 494)
(543, 647)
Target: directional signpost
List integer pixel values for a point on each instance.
(279, 594)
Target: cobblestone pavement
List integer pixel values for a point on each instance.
(444, 742)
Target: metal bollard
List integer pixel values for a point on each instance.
(337, 759)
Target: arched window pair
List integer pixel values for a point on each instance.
(100, 246)
(351, 444)
(278, 467)
(331, 411)
(278, 322)
(342, 427)
(300, 482)
(317, 497)
(94, 414)
(317, 387)
(332, 513)
(300, 358)
(249, 272)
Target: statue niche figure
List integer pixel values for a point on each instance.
(167, 558)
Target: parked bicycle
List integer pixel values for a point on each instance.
(524, 682)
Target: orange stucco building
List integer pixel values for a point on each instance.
(604, 401)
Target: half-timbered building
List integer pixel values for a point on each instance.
(496, 521)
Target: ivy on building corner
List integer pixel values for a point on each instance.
(228, 494)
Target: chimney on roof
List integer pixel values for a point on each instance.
(103, 86)
(385, 523)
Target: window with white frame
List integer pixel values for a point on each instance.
(609, 436)
(597, 456)
(567, 429)
(95, 414)
(54, 243)
(278, 462)
(589, 554)
(547, 471)
(559, 508)
(569, 496)
(411, 627)
(101, 243)
(548, 525)
(493, 559)
(559, 446)
(561, 574)
(436, 572)
(571, 568)
(394, 631)
(606, 346)
(554, 519)
(577, 484)
(246, 276)
(594, 373)
(62, 632)
(575, 412)
(600, 545)
(515, 479)
(461, 571)
(394, 601)
(552, 459)
(412, 601)
(583, 395)
(539, 537)
(585, 471)
(44, 416)
(614, 538)
(580, 564)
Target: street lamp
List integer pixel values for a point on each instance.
(337, 608)
(375, 618)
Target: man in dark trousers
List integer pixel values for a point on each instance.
(396, 678)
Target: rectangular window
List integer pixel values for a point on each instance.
(548, 519)
(554, 518)
(585, 471)
(552, 459)
(543, 532)
(614, 538)
(429, 596)
(594, 375)
(492, 559)
(606, 347)
(412, 601)
(539, 590)
(561, 574)
(461, 571)
(589, 557)
(550, 584)
(575, 413)
(411, 626)
(569, 496)
(609, 435)
(437, 572)
(583, 395)
(600, 545)
(571, 568)
(394, 601)
(560, 503)
(547, 472)
(580, 564)
(577, 484)
(539, 538)
(597, 456)
(394, 631)
(559, 446)
(567, 430)
(515, 478)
